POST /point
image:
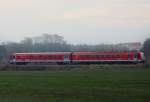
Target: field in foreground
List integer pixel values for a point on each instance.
(107, 85)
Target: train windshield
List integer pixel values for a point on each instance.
(12, 57)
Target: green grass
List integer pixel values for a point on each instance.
(75, 86)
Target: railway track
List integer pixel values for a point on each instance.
(67, 67)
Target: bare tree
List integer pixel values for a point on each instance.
(27, 44)
(146, 49)
(3, 52)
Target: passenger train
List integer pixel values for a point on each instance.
(77, 58)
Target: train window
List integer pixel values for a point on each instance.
(54, 56)
(37, 57)
(93, 56)
(45, 56)
(97, 56)
(18, 57)
(59, 56)
(108, 56)
(117, 56)
(82, 56)
(88, 56)
(102, 56)
(12, 57)
(113, 56)
(34, 57)
(31, 56)
(40, 56)
(27, 57)
(67, 56)
(49, 56)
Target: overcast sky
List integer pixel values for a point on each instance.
(78, 21)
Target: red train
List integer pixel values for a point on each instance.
(77, 57)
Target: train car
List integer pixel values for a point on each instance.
(77, 58)
(52, 57)
(107, 57)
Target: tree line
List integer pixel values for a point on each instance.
(146, 50)
(56, 43)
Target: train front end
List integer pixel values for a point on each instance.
(12, 59)
(141, 57)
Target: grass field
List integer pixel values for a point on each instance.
(127, 85)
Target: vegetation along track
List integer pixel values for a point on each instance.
(68, 67)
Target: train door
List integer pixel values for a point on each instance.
(135, 56)
(66, 58)
(129, 56)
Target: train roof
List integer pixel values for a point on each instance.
(74, 53)
(101, 52)
(45, 53)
